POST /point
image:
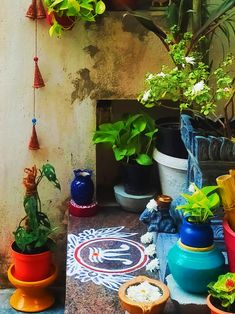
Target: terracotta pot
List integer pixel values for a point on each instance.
(132, 307)
(121, 4)
(66, 21)
(32, 267)
(215, 310)
(229, 239)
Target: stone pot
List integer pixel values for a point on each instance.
(132, 307)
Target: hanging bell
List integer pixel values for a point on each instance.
(36, 10)
(38, 80)
(32, 11)
(33, 143)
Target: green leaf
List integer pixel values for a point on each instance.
(100, 7)
(49, 172)
(144, 160)
(119, 153)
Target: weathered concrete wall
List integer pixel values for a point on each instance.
(103, 61)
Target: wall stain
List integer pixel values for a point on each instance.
(131, 25)
(83, 85)
(91, 50)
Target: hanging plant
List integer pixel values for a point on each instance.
(63, 14)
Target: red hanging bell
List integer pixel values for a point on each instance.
(38, 80)
(36, 10)
(32, 10)
(33, 143)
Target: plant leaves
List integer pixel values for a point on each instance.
(144, 160)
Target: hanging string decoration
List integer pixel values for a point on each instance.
(35, 12)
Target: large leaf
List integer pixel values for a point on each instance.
(49, 172)
(144, 160)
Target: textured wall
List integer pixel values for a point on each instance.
(103, 61)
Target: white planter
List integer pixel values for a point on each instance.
(172, 173)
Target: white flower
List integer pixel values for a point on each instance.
(150, 250)
(190, 60)
(147, 238)
(226, 89)
(144, 292)
(191, 188)
(153, 265)
(198, 87)
(152, 205)
(161, 74)
(150, 76)
(146, 95)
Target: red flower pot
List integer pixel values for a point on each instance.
(32, 267)
(66, 21)
(82, 210)
(229, 239)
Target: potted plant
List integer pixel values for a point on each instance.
(221, 299)
(31, 249)
(197, 211)
(131, 140)
(226, 184)
(63, 14)
(143, 295)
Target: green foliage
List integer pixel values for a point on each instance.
(34, 229)
(200, 205)
(85, 10)
(224, 290)
(189, 82)
(130, 138)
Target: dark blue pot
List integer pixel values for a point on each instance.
(198, 235)
(82, 187)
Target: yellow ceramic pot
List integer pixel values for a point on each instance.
(133, 307)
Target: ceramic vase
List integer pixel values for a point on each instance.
(82, 187)
(197, 235)
(194, 268)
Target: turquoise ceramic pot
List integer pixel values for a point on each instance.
(193, 270)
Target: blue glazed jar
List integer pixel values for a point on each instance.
(193, 270)
(82, 187)
(199, 235)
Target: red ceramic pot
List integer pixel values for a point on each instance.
(121, 4)
(82, 210)
(229, 239)
(66, 21)
(32, 267)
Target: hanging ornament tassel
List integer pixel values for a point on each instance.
(38, 80)
(36, 10)
(33, 143)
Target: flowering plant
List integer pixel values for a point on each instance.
(190, 83)
(224, 290)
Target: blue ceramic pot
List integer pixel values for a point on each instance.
(82, 187)
(193, 270)
(199, 235)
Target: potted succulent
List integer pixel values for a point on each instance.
(131, 140)
(197, 211)
(221, 299)
(143, 295)
(31, 249)
(63, 14)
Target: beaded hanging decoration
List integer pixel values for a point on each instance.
(35, 11)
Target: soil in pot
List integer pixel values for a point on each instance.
(216, 303)
(32, 266)
(168, 138)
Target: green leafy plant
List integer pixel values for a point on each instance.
(191, 84)
(34, 229)
(224, 290)
(131, 139)
(200, 205)
(85, 10)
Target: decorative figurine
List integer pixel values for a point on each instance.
(157, 215)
